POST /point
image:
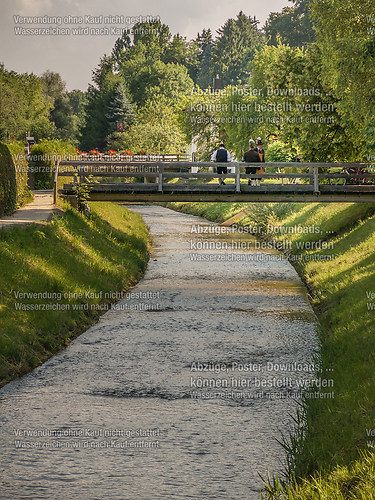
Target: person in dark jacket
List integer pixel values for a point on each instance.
(221, 155)
(251, 156)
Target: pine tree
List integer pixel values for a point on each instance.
(120, 112)
(228, 53)
(205, 72)
(235, 48)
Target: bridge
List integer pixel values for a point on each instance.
(164, 180)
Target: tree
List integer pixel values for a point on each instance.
(77, 100)
(180, 51)
(119, 51)
(169, 80)
(97, 126)
(293, 26)
(53, 84)
(154, 131)
(23, 105)
(61, 113)
(228, 53)
(176, 51)
(235, 48)
(205, 70)
(345, 36)
(199, 119)
(67, 109)
(297, 106)
(120, 112)
(149, 73)
(155, 36)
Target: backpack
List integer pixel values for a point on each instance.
(221, 155)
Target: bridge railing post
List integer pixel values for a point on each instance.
(311, 172)
(81, 170)
(160, 179)
(316, 180)
(75, 177)
(238, 178)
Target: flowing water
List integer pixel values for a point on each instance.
(178, 392)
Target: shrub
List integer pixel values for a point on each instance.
(8, 182)
(44, 157)
(22, 176)
(280, 152)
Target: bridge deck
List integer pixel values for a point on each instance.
(210, 192)
(309, 184)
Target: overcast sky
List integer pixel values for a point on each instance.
(75, 56)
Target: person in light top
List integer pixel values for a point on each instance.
(221, 155)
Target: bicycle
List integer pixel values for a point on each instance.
(349, 172)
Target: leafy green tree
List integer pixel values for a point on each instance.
(155, 130)
(345, 36)
(292, 26)
(149, 73)
(199, 117)
(277, 151)
(155, 36)
(66, 115)
(97, 126)
(23, 106)
(61, 112)
(170, 80)
(120, 51)
(176, 51)
(297, 106)
(77, 100)
(228, 54)
(180, 51)
(11, 105)
(53, 84)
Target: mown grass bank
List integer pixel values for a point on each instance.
(333, 249)
(55, 279)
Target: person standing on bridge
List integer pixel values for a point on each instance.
(221, 155)
(252, 156)
(260, 150)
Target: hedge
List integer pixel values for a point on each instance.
(21, 165)
(8, 182)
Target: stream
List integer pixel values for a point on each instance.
(180, 391)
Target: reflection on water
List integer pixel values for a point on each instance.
(180, 401)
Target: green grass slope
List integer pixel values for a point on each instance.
(54, 278)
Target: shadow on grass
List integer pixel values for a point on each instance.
(86, 256)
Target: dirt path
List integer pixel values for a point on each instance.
(40, 209)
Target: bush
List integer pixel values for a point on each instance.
(22, 176)
(8, 182)
(44, 157)
(280, 152)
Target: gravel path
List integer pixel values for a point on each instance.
(40, 209)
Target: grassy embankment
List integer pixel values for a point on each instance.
(71, 260)
(332, 452)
